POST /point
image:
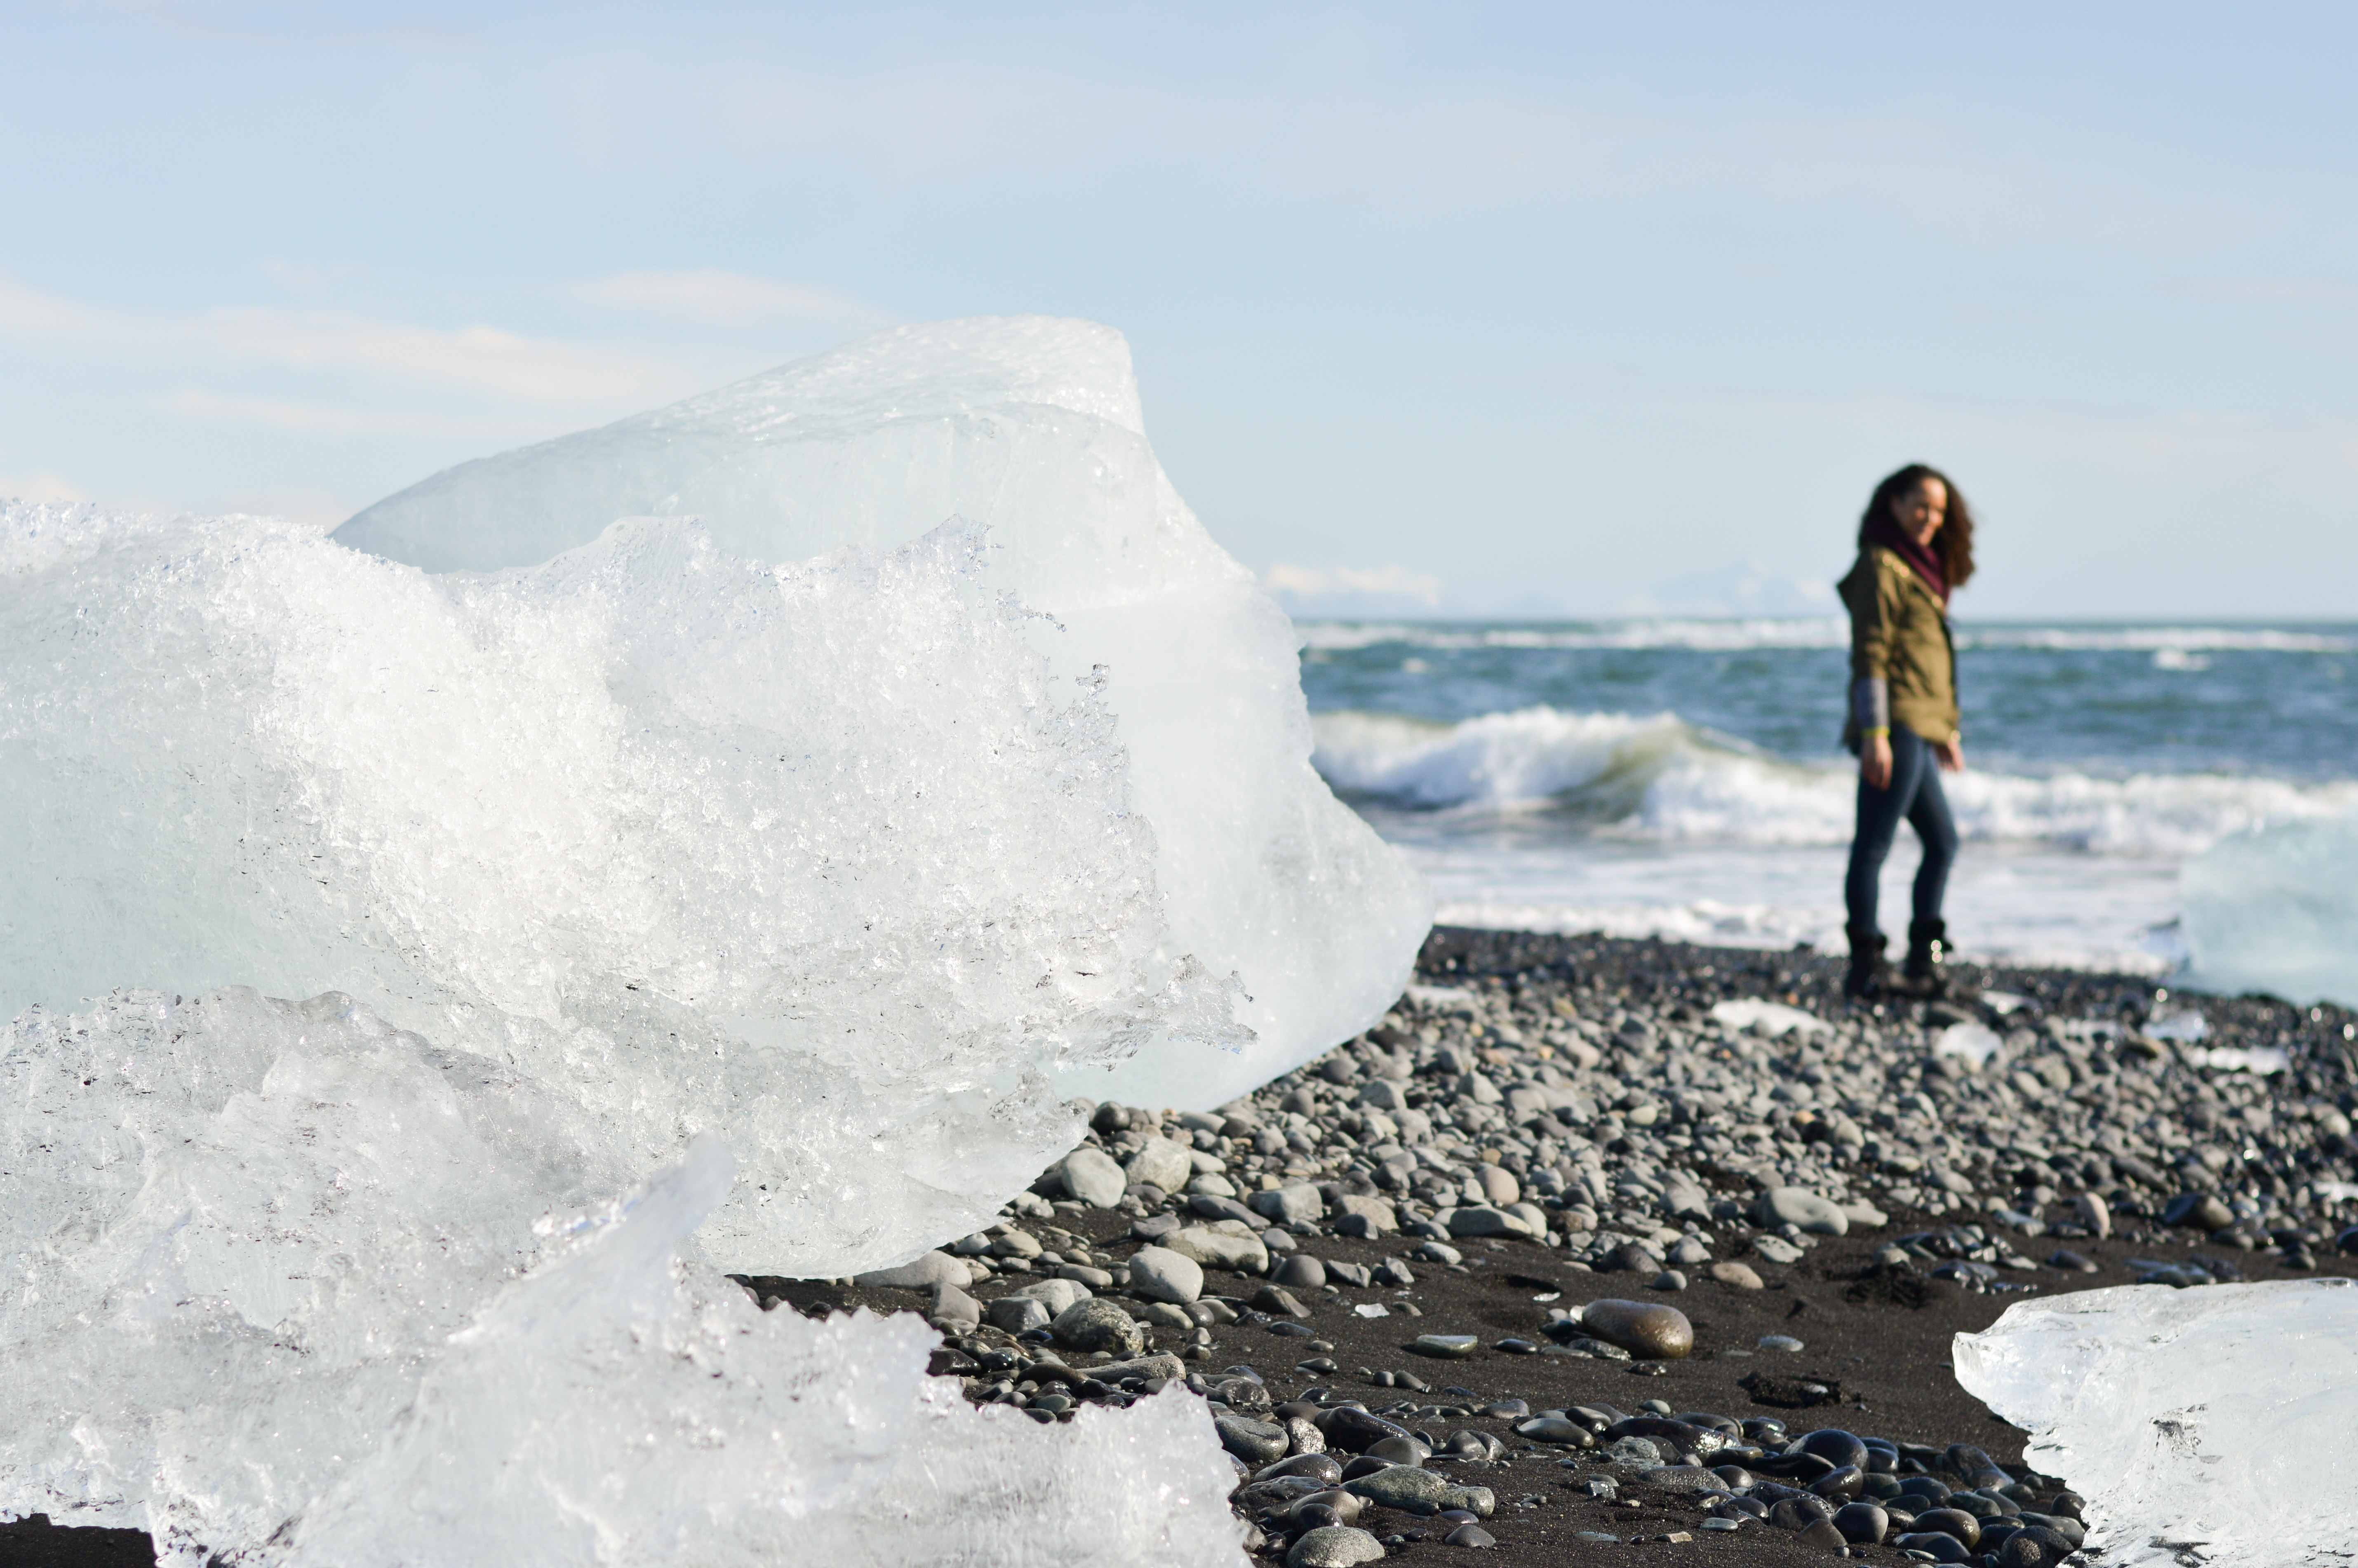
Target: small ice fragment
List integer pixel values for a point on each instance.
(1743, 1012)
(1978, 1042)
(1784, 1342)
(2188, 1025)
(2004, 1003)
(1372, 1309)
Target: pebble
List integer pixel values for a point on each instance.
(1643, 1328)
(1091, 1176)
(1801, 1209)
(1160, 1274)
(1447, 1345)
(1421, 1490)
(1469, 1535)
(1740, 1275)
(1334, 1546)
(1784, 1342)
(1094, 1324)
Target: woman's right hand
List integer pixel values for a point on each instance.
(1875, 761)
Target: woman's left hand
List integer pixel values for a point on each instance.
(1951, 754)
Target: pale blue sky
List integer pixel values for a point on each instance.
(1543, 304)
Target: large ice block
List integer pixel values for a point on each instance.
(283, 1284)
(2276, 911)
(2200, 1426)
(1031, 426)
(803, 856)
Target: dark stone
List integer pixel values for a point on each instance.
(1955, 1522)
(1862, 1524)
(1939, 1547)
(1363, 1464)
(946, 1362)
(1279, 1301)
(1823, 1535)
(1801, 1467)
(1400, 1450)
(2033, 1547)
(1798, 1513)
(1254, 1441)
(1355, 1430)
(1630, 1258)
(1925, 1487)
(1319, 1467)
(1308, 1514)
(1109, 1117)
(1791, 1393)
(1842, 1486)
(1662, 1333)
(1836, 1446)
(2072, 1262)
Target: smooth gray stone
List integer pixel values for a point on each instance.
(1293, 1205)
(1256, 1442)
(1018, 1315)
(1420, 1491)
(1469, 1535)
(1161, 1163)
(1301, 1271)
(1160, 1274)
(954, 1306)
(1092, 1177)
(1334, 1546)
(1807, 1210)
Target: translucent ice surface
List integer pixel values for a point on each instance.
(1032, 426)
(2276, 911)
(289, 1286)
(808, 857)
(2201, 1425)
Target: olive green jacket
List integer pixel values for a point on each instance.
(1903, 663)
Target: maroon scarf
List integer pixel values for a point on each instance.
(1885, 531)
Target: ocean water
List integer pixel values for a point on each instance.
(1685, 777)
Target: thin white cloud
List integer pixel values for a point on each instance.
(485, 360)
(711, 296)
(1294, 582)
(40, 486)
(324, 419)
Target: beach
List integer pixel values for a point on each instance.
(1667, 1135)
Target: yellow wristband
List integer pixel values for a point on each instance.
(1882, 730)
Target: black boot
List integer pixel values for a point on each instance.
(1870, 975)
(1927, 949)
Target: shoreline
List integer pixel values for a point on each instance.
(1588, 1077)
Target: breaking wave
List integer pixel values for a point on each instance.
(1661, 779)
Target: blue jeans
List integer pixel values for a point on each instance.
(1915, 794)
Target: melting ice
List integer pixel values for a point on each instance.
(2204, 1425)
(714, 797)
(297, 1288)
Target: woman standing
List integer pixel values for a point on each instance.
(1915, 547)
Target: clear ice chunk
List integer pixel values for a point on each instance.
(2276, 911)
(2200, 1426)
(288, 1287)
(808, 857)
(1032, 426)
